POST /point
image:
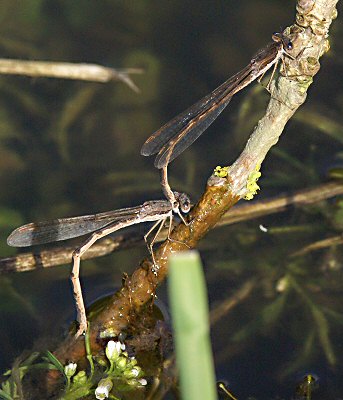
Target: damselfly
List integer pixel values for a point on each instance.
(102, 224)
(176, 135)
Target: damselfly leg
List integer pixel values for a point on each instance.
(102, 224)
(178, 134)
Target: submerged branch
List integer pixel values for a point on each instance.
(243, 212)
(318, 245)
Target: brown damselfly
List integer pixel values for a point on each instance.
(176, 135)
(99, 225)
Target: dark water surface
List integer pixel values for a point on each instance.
(72, 148)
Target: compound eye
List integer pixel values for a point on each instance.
(185, 207)
(185, 203)
(290, 46)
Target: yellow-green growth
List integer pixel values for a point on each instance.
(252, 186)
(221, 172)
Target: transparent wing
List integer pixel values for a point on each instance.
(190, 124)
(66, 228)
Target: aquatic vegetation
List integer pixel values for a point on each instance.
(106, 378)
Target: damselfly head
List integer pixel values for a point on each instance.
(184, 201)
(279, 37)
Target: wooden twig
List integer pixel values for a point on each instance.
(63, 70)
(250, 210)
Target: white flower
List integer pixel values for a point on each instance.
(133, 372)
(70, 369)
(103, 389)
(143, 382)
(113, 350)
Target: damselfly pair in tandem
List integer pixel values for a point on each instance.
(168, 142)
